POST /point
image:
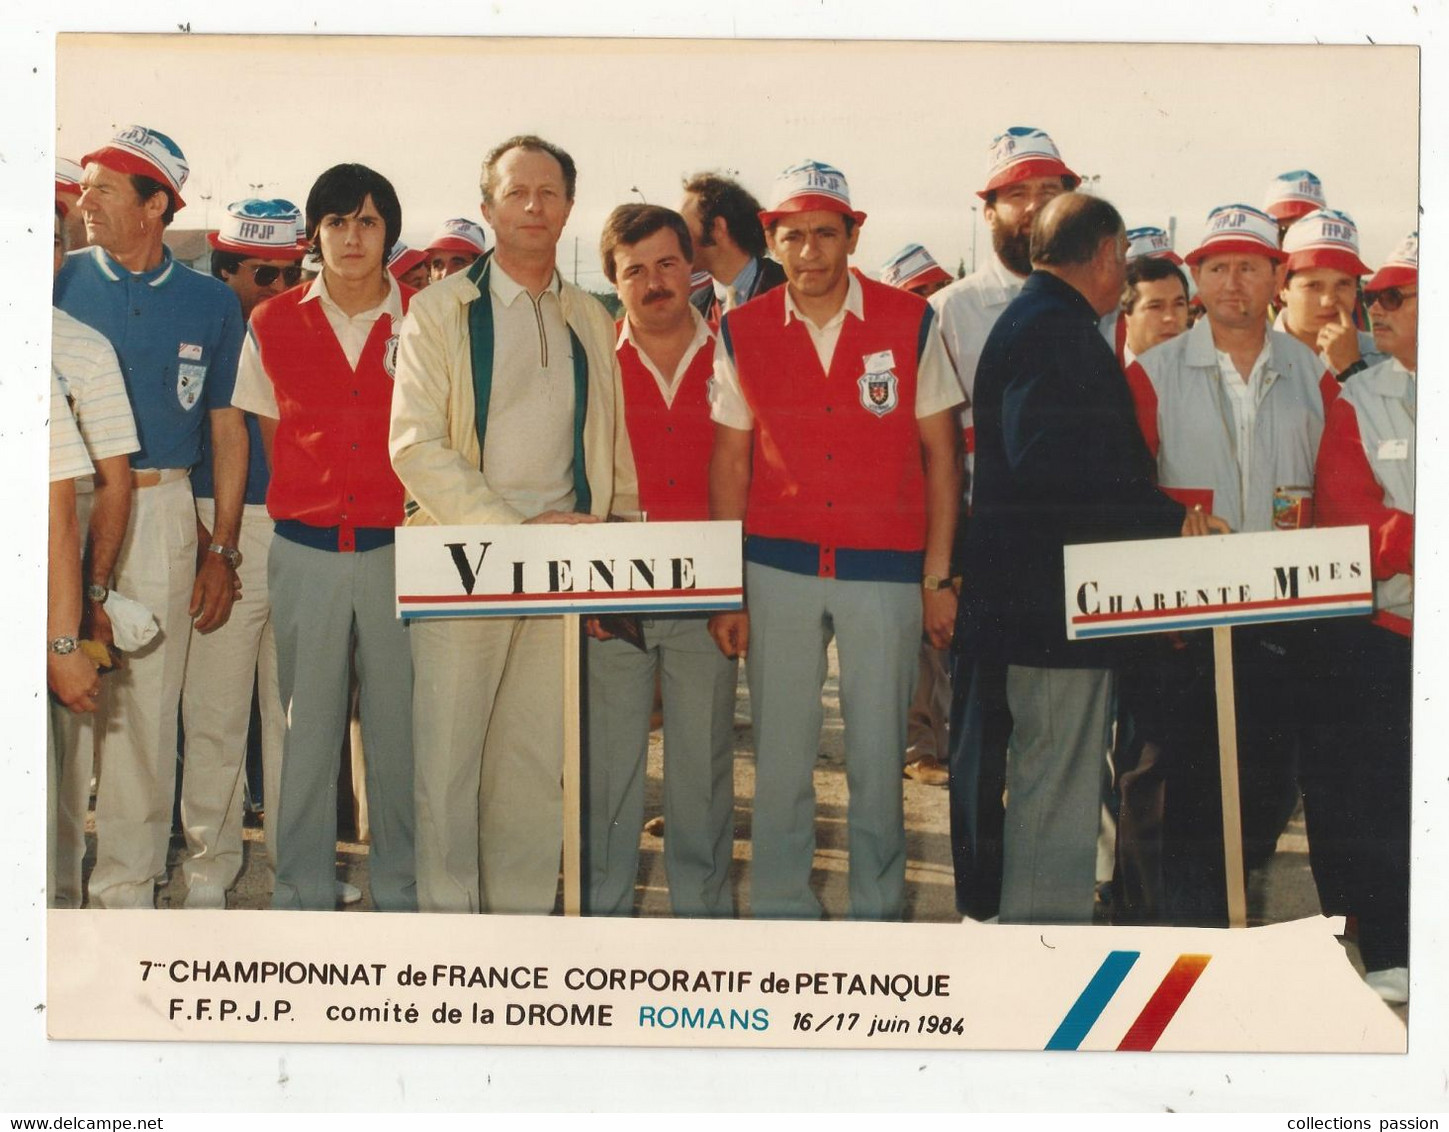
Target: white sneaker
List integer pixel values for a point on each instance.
(348, 893)
(1391, 984)
(202, 895)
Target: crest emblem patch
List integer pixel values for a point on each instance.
(878, 385)
(189, 380)
(389, 356)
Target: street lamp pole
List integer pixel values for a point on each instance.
(973, 238)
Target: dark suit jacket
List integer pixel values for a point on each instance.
(767, 278)
(1059, 460)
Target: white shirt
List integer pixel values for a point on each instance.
(1244, 397)
(84, 365)
(668, 387)
(253, 391)
(68, 459)
(968, 309)
(936, 386)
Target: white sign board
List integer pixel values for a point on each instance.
(548, 568)
(1154, 585)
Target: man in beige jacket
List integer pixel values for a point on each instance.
(509, 352)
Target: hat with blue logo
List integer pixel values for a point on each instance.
(1021, 153)
(1150, 243)
(811, 186)
(912, 266)
(1293, 194)
(1238, 229)
(150, 153)
(459, 235)
(1324, 238)
(266, 229)
(1401, 268)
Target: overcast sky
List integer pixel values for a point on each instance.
(1163, 131)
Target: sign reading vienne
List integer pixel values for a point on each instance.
(1155, 585)
(517, 570)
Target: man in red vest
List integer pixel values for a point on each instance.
(837, 444)
(317, 369)
(666, 357)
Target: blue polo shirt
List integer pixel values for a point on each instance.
(178, 336)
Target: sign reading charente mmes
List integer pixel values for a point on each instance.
(514, 570)
(1118, 588)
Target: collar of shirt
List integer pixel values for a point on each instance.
(730, 294)
(115, 272)
(391, 303)
(506, 289)
(854, 304)
(999, 284)
(703, 337)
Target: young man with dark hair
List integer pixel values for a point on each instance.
(318, 370)
(1154, 305)
(729, 243)
(488, 724)
(177, 335)
(835, 443)
(666, 354)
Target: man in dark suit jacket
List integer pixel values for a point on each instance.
(1059, 460)
(729, 243)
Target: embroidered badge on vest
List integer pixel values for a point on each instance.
(190, 377)
(389, 356)
(878, 384)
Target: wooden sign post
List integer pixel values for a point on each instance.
(1218, 581)
(547, 569)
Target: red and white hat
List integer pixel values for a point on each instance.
(1292, 195)
(1401, 268)
(1324, 238)
(811, 186)
(1150, 243)
(147, 152)
(403, 259)
(1021, 153)
(1238, 229)
(67, 183)
(265, 229)
(912, 266)
(459, 235)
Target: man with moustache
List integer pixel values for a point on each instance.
(666, 357)
(455, 246)
(1238, 412)
(177, 335)
(489, 729)
(836, 445)
(724, 224)
(256, 254)
(1024, 172)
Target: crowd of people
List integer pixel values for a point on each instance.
(908, 455)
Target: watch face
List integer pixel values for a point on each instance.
(97, 592)
(63, 645)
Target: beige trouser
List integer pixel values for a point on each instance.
(137, 713)
(216, 705)
(488, 751)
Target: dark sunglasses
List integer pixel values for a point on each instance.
(1390, 298)
(265, 274)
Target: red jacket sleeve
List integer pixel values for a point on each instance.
(1347, 494)
(1144, 400)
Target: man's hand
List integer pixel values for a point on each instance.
(731, 631)
(938, 616)
(1199, 522)
(74, 679)
(1338, 342)
(96, 623)
(592, 628)
(217, 586)
(563, 517)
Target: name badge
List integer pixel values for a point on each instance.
(880, 361)
(189, 352)
(1394, 450)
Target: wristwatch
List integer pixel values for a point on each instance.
(97, 593)
(935, 582)
(61, 646)
(230, 554)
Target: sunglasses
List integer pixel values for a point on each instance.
(1390, 298)
(265, 274)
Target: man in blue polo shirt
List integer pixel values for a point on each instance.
(177, 335)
